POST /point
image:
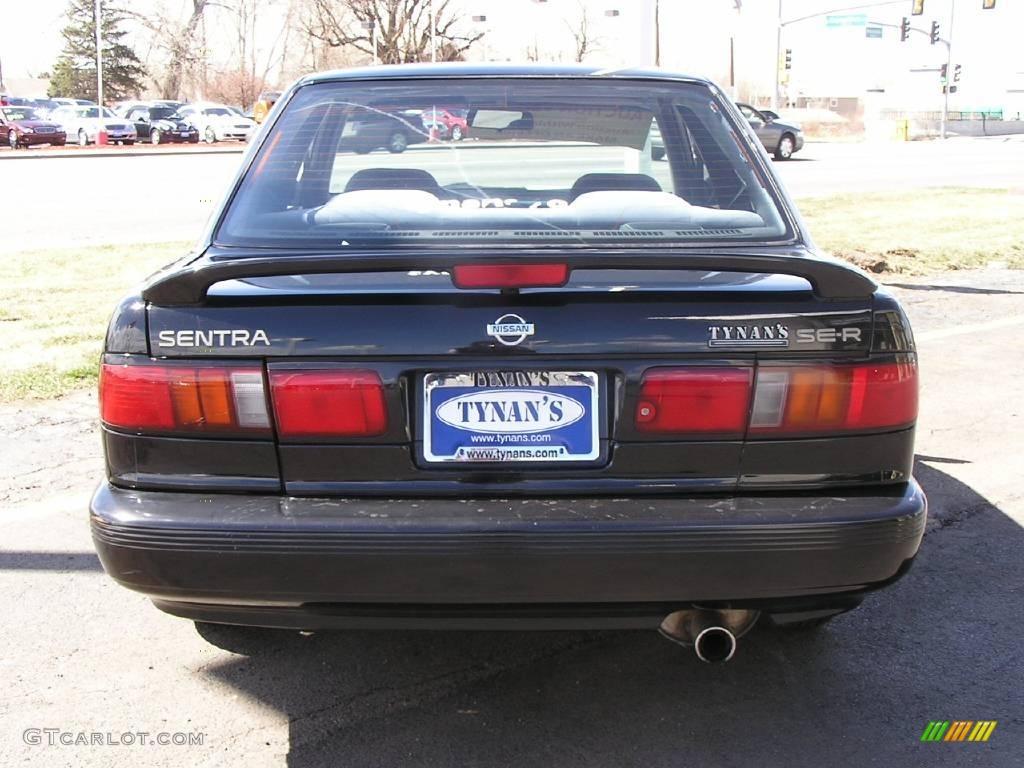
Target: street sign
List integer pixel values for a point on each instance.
(846, 20)
(875, 32)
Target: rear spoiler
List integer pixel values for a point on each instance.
(188, 285)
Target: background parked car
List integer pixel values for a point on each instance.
(264, 104)
(83, 124)
(779, 137)
(217, 122)
(161, 125)
(66, 102)
(453, 122)
(22, 127)
(370, 129)
(122, 108)
(44, 107)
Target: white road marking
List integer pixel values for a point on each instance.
(960, 330)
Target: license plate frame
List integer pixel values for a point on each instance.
(511, 417)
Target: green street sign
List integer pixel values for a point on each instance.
(846, 20)
(872, 32)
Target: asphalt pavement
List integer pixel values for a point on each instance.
(80, 654)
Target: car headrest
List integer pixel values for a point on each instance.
(392, 178)
(602, 182)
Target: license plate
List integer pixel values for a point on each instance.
(511, 416)
(184, 134)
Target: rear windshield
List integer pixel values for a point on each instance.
(537, 160)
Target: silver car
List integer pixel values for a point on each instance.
(83, 124)
(217, 122)
(779, 137)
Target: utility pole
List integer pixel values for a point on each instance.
(97, 9)
(733, 94)
(949, 69)
(778, 53)
(657, 33)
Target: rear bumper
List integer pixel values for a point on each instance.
(309, 562)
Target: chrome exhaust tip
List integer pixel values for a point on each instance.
(712, 633)
(715, 645)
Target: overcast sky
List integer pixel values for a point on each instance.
(695, 38)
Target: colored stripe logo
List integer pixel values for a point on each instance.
(959, 730)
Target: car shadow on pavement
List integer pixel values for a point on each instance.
(943, 643)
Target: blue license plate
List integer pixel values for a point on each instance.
(511, 416)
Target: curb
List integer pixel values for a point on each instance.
(119, 152)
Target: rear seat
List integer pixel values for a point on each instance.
(606, 182)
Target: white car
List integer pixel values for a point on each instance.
(83, 124)
(217, 122)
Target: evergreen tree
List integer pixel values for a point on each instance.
(74, 73)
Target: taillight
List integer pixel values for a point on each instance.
(821, 399)
(328, 403)
(184, 398)
(695, 401)
(784, 400)
(510, 275)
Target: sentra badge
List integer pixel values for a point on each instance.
(510, 330)
(231, 337)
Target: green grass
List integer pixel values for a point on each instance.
(54, 307)
(920, 231)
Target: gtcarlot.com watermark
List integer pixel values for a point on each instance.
(58, 737)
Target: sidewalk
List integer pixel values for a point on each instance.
(74, 150)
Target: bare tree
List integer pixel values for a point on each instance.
(246, 65)
(586, 43)
(401, 28)
(178, 45)
(183, 51)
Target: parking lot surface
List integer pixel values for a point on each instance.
(79, 654)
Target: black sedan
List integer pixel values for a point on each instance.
(533, 380)
(161, 125)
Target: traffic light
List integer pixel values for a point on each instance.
(789, 58)
(988, 5)
(918, 8)
(904, 29)
(942, 74)
(935, 32)
(956, 73)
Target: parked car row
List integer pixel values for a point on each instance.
(160, 121)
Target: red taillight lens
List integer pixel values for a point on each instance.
(695, 401)
(183, 398)
(510, 275)
(816, 399)
(328, 403)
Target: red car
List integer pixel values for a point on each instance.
(22, 127)
(453, 121)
